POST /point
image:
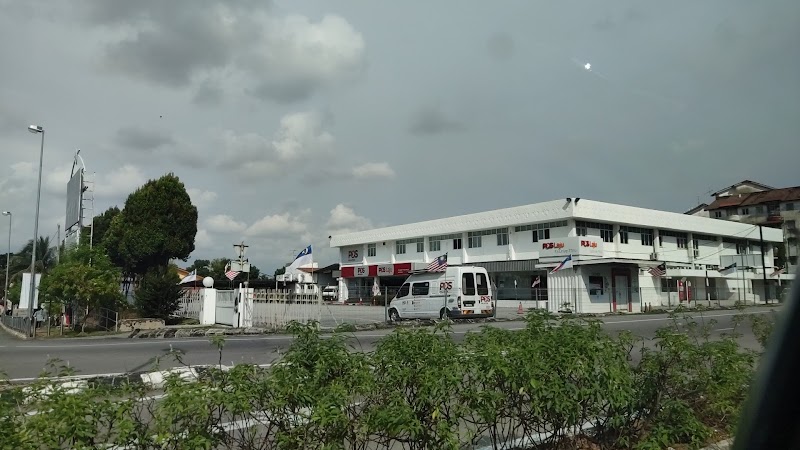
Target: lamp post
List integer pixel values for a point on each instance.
(8, 259)
(35, 129)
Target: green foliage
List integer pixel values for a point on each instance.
(85, 278)
(158, 223)
(101, 224)
(158, 293)
(556, 384)
(215, 268)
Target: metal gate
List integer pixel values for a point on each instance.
(225, 313)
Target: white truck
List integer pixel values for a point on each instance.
(459, 292)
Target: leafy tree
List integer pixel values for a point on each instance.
(45, 257)
(158, 293)
(101, 223)
(158, 223)
(280, 271)
(85, 278)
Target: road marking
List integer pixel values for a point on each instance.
(655, 319)
(73, 345)
(725, 329)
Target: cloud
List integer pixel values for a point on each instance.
(373, 170)
(209, 93)
(500, 46)
(139, 139)
(202, 240)
(277, 225)
(201, 198)
(343, 219)
(431, 120)
(299, 144)
(280, 58)
(223, 223)
(119, 182)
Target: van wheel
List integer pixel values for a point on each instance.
(393, 315)
(443, 314)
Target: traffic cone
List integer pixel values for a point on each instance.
(519, 309)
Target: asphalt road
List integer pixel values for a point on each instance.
(96, 356)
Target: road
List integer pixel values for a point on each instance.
(97, 356)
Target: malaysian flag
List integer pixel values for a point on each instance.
(230, 274)
(438, 265)
(659, 270)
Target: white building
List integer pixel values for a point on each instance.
(612, 247)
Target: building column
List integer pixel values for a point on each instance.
(464, 246)
(690, 247)
(656, 241)
(615, 230)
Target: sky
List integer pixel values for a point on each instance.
(290, 121)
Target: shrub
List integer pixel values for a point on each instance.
(158, 293)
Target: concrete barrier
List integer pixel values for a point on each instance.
(140, 324)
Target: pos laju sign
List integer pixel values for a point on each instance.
(573, 245)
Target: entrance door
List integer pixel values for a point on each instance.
(225, 307)
(621, 290)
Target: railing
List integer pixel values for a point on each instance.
(190, 304)
(17, 323)
(278, 308)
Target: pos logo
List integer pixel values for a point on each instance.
(352, 254)
(445, 285)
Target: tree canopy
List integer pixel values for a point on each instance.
(84, 277)
(158, 223)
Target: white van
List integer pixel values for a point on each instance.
(459, 292)
(330, 293)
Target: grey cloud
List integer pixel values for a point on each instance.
(140, 139)
(500, 46)
(431, 120)
(288, 91)
(209, 93)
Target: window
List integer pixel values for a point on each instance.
(435, 246)
(541, 234)
(403, 291)
(623, 235)
(468, 284)
(581, 231)
(790, 206)
(372, 249)
(606, 232)
(745, 211)
(682, 242)
(695, 244)
(596, 285)
(647, 238)
(401, 245)
(483, 285)
(474, 241)
(669, 285)
(660, 240)
(759, 209)
(502, 236)
(457, 244)
(741, 248)
(718, 214)
(419, 288)
(791, 224)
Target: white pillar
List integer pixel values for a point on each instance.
(208, 310)
(245, 309)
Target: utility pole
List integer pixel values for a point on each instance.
(58, 244)
(763, 264)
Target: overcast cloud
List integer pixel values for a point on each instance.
(292, 121)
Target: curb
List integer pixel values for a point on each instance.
(13, 332)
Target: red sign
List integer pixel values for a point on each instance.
(552, 245)
(383, 270)
(589, 244)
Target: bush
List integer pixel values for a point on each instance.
(159, 293)
(556, 384)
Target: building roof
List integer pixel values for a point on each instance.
(757, 198)
(553, 211)
(697, 208)
(733, 186)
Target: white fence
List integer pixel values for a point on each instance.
(278, 308)
(191, 304)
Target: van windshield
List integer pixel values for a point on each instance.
(403, 291)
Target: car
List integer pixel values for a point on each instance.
(330, 293)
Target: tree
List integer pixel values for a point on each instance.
(45, 257)
(159, 293)
(158, 223)
(280, 271)
(85, 278)
(101, 224)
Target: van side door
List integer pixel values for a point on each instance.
(484, 293)
(420, 299)
(469, 296)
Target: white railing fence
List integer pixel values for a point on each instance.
(191, 304)
(275, 308)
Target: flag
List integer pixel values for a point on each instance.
(303, 258)
(230, 274)
(189, 278)
(728, 269)
(536, 282)
(376, 290)
(777, 272)
(659, 270)
(438, 265)
(565, 264)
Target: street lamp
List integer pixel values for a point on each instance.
(8, 260)
(35, 129)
